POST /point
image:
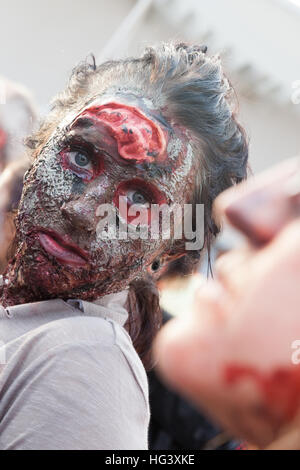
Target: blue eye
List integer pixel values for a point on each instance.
(80, 159)
(137, 197)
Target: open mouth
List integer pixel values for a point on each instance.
(65, 252)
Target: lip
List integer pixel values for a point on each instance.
(64, 251)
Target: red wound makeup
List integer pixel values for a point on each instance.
(281, 388)
(138, 137)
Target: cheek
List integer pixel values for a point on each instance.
(280, 389)
(53, 180)
(46, 187)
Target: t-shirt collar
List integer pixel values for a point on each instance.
(111, 306)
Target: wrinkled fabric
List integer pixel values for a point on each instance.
(71, 378)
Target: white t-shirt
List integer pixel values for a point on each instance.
(71, 379)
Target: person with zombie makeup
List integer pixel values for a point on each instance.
(79, 311)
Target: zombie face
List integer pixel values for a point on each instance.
(117, 145)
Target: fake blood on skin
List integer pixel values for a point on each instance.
(280, 388)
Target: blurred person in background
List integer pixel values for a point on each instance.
(11, 185)
(18, 116)
(237, 354)
(175, 422)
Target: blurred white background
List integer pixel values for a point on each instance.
(258, 39)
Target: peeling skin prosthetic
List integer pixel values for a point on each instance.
(113, 146)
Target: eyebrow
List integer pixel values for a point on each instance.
(84, 122)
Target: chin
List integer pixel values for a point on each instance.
(44, 277)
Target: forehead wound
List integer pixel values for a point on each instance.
(138, 137)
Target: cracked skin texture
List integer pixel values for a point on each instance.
(57, 199)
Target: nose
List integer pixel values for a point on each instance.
(80, 213)
(260, 208)
(81, 210)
